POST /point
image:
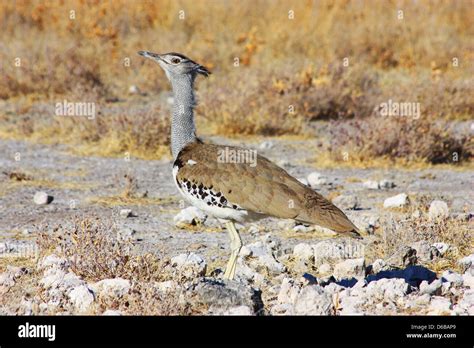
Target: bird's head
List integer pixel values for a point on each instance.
(176, 64)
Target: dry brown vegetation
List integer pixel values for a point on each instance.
(84, 55)
(399, 138)
(96, 253)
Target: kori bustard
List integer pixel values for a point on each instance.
(234, 192)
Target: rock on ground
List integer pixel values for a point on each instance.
(189, 265)
(433, 288)
(222, 295)
(351, 268)
(396, 201)
(126, 213)
(312, 300)
(425, 251)
(42, 198)
(440, 306)
(316, 179)
(347, 202)
(387, 289)
(190, 216)
(81, 297)
(115, 287)
(438, 210)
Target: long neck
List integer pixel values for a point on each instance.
(183, 130)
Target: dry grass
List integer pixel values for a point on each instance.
(131, 195)
(422, 141)
(13, 180)
(290, 71)
(455, 232)
(95, 253)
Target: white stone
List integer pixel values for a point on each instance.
(245, 272)
(261, 254)
(333, 288)
(238, 310)
(52, 278)
(288, 292)
(379, 265)
(439, 306)
(466, 302)
(467, 261)
(351, 268)
(325, 268)
(416, 214)
(312, 300)
(346, 202)
(190, 216)
(303, 251)
(396, 201)
(301, 228)
(422, 299)
(361, 283)
(265, 145)
(468, 280)
(189, 265)
(53, 260)
(81, 297)
(42, 198)
(257, 249)
(386, 184)
(126, 213)
(351, 305)
(367, 222)
(272, 265)
(245, 251)
(316, 179)
(442, 247)
(438, 210)
(133, 90)
(166, 286)
(434, 288)
(387, 288)
(112, 312)
(425, 251)
(115, 287)
(452, 277)
(71, 280)
(371, 184)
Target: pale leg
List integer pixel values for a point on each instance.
(235, 245)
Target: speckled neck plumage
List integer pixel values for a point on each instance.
(183, 130)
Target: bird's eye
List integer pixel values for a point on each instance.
(175, 60)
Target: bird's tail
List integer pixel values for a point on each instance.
(319, 211)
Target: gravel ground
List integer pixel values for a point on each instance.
(90, 186)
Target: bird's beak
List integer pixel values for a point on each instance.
(150, 55)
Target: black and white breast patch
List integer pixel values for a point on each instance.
(208, 195)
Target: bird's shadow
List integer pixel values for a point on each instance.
(413, 275)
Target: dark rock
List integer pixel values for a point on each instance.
(226, 294)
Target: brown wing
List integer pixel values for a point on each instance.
(259, 186)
